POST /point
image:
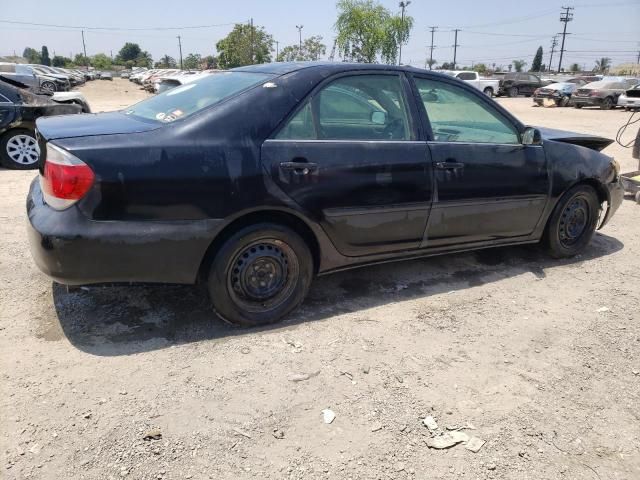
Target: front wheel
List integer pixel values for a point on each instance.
(48, 87)
(19, 149)
(260, 274)
(572, 222)
(513, 92)
(607, 104)
(488, 92)
(563, 102)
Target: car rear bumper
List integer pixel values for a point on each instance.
(587, 101)
(615, 192)
(74, 250)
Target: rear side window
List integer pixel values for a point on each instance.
(460, 116)
(359, 107)
(467, 76)
(183, 101)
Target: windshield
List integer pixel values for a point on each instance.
(193, 97)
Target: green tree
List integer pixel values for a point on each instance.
(129, 52)
(430, 63)
(101, 61)
(192, 61)
(80, 59)
(166, 62)
(245, 45)
(368, 31)
(519, 65)
(480, 68)
(32, 55)
(603, 64)
(210, 62)
(574, 68)
(59, 61)
(536, 65)
(312, 49)
(44, 57)
(144, 59)
(446, 66)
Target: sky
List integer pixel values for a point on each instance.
(491, 31)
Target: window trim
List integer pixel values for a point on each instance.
(8, 101)
(517, 126)
(413, 115)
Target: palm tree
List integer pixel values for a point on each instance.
(603, 64)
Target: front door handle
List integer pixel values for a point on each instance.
(299, 168)
(449, 165)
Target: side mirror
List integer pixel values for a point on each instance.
(532, 136)
(378, 118)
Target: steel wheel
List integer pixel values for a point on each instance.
(48, 87)
(574, 221)
(263, 275)
(23, 149)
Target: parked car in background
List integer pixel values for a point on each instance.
(254, 180)
(489, 86)
(106, 76)
(630, 99)
(34, 79)
(19, 109)
(48, 71)
(560, 93)
(514, 84)
(603, 94)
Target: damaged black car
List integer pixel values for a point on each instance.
(19, 110)
(254, 180)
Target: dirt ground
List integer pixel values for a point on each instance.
(537, 357)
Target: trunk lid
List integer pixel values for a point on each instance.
(111, 123)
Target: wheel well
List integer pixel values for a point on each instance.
(265, 216)
(595, 184)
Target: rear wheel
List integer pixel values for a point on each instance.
(607, 104)
(19, 149)
(48, 87)
(513, 92)
(577, 105)
(563, 102)
(488, 92)
(572, 222)
(260, 274)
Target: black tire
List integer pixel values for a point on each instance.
(572, 223)
(48, 86)
(513, 92)
(488, 92)
(577, 105)
(5, 158)
(564, 101)
(607, 104)
(266, 251)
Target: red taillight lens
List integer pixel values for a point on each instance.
(66, 179)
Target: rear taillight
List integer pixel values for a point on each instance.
(66, 179)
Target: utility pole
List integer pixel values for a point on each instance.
(433, 29)
(300, 27)
(180, 48)
(565, 17)
(402, 5)
(638, 60)
(277, 49)
(455, 47)
(554, 44)
(84, 49)
(251, 27)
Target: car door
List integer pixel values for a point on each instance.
(351, 159)
(488, 185)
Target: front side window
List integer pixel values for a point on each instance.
(359, 107)
(24, 70)
(467, 76)
(459, 116)
(190, 98)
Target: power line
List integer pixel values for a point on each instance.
(565, 17)
(83, 27)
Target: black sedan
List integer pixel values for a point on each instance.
(255, 180)
(19, 110)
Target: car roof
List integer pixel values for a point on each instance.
(283, 68)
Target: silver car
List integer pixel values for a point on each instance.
(630, 100)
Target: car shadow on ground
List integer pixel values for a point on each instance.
(122, 320)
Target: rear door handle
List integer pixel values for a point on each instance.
(449, 165)
(299, 168)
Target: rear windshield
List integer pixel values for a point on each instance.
(193, 97)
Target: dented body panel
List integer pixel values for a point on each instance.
(165, 192)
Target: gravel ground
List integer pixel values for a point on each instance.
(536, 357)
